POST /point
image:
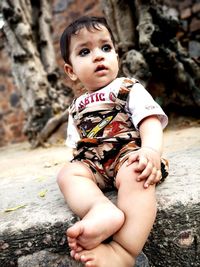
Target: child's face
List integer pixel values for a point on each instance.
(93, 58)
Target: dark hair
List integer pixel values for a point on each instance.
(89, 23)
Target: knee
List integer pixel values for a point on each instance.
(127, 175)
(72, 171)
(63, 175)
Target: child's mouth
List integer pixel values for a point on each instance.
(100, 68)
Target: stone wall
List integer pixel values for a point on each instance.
(188, 11)
(64, 11)
(11, 114)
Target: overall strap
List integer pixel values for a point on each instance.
(124, 90)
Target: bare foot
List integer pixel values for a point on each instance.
(105, 255)
(102, 221)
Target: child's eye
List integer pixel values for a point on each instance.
(106, 48)
(84, 52)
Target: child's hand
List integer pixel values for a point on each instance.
(148, 165)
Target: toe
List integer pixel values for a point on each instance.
(77, 256)
(75, 231)
(71, 240)
(72, 245)
(86, 256)
(79, 249)
(72, 253)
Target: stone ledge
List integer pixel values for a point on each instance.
(175, 238)
(36, 231)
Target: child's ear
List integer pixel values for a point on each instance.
(69, 71)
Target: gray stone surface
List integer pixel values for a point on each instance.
(175, 238)
(46, 259)
(36, 229)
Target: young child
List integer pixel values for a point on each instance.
(115, 129)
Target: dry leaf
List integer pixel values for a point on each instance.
(42, 193)
(14, 208)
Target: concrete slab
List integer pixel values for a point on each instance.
(34, 216)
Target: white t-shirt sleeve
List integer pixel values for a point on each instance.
(141, 105)
(72, 133)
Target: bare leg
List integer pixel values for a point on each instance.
(139, 207)
(100, 217)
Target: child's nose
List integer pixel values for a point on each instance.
(98, 55)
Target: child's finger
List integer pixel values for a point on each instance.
(144, 164)
(153, 178)
(157, 178)
(132, 158)
(145, 173)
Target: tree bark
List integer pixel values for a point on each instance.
(152, 53)
(28, 32)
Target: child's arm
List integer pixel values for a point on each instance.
(148, 156)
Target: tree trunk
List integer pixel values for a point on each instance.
(28, 32)
(150, 52)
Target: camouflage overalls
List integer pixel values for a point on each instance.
(107, 137)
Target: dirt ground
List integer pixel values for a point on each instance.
(20, 159)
